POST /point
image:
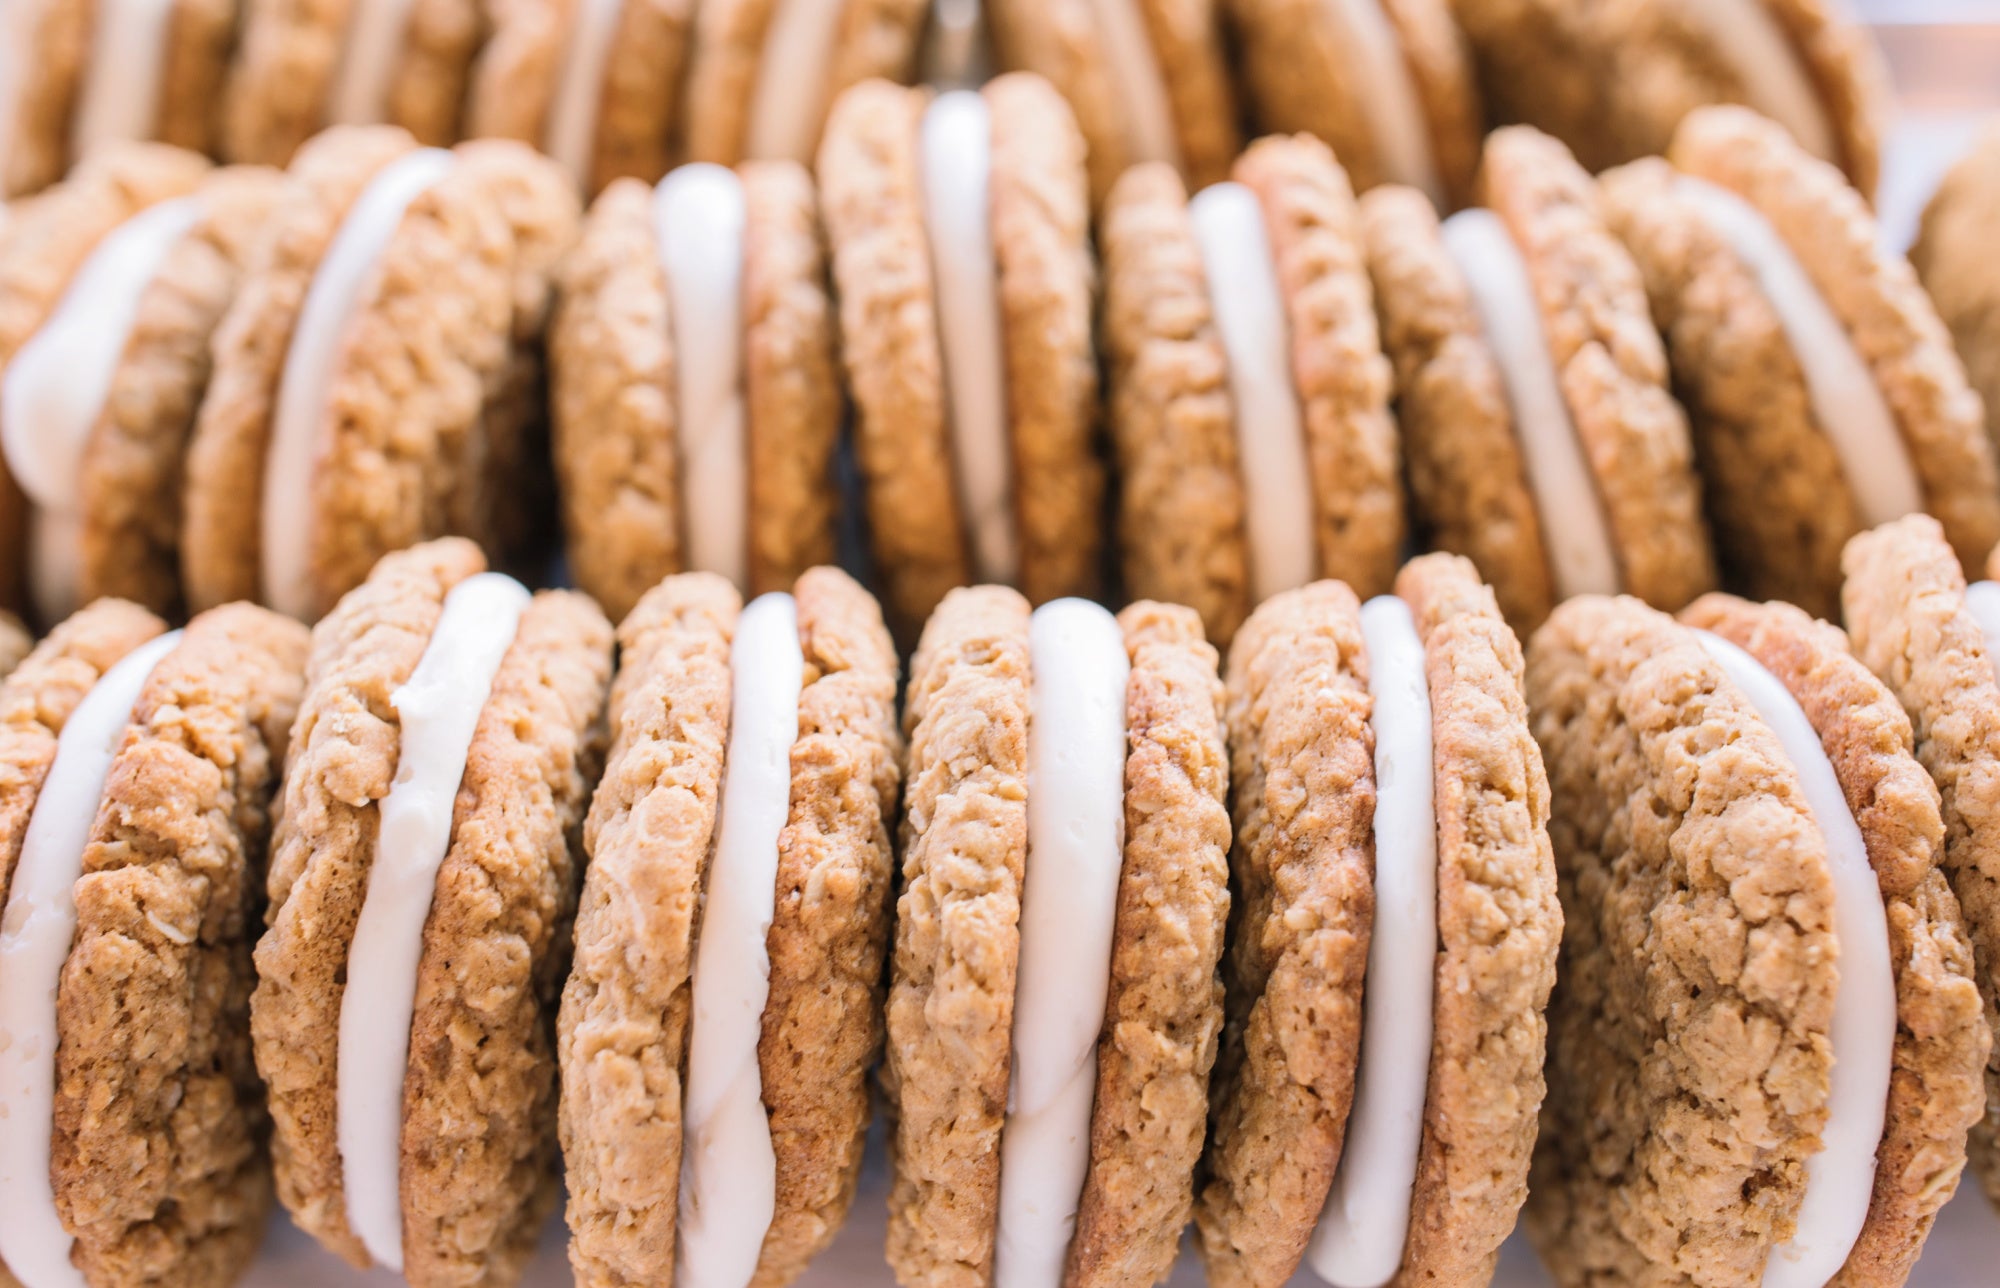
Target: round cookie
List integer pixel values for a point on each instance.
(1614, 80)
(1532, 389)
(1249, 392)
(378, 377)
(1822, 389)
(1388, 84)
(763, 74)
(1054, 1002)
(1147, 79)
(696, 398)
(142, 772)
(595, 84)
(1950, 259)
(425, 866)
(1933, 640)
(1395, 939)
(746, 808)
(959, 231)
(1735, 806)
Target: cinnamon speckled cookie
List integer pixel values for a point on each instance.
(424, 867)
(143, 770)
(959, 231)
(1823, 391)
(697, 403)
(1950, 259)
(1249, 391)
(1736, 804)
(740, 866)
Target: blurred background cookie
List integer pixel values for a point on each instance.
(1953, 257)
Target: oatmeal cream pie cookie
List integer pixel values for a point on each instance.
(1249, 392)
(724, 1010)
(1953, 258)
(1935, 641)
(959, 228)
(141, 774)
(697, 405)
(378, 378)
(424, 868)
(764, 73)
(1532, 389)
(1823, 391)
(1395, 939)
(98, 403)
(1054, 1002)
(1765, 1048)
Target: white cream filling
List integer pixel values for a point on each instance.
(1386, 89)
(369, 53)
(122, 82)
(343, 282)
(956, 154)
(569, 135)
(789, 97)
(729, 1168)
(1138, 80)
(1581, 555)
(1840, 1179)
(1069, 906)
(1840, 385)
(54, 391)
(1256, 337)
(438, 709)
(1770, 67)
(698, 220)
(1982, 599)
(35, 937)
(1366, 1220)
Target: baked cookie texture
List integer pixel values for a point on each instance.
(15, 643)
(1904, 606)
(613, 369)
(1936, 1091)
(1689, 1057)
(479, 1131)
(1948, 259)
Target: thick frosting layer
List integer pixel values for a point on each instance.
(956, 157)
(569, 135)
(698, 218)
(1581, 555)
(53, 393)
(1770, 66)
(35, 936)
(1846, 401)
(791, 90)
(368, 57)
(1138, 80)
(122, 80)
(1840, 1178)
(438, 709)
(341, 285)
(729, 1169)
(1270, 428)
(1069, 907)
(1362, 1229)
(1386, 90)
(1983, 599)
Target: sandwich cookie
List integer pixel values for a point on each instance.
(423, 879)
(1950, 259)
(595, 84)
(959, 229)
(1532, 389)
(1765, 1048)
(1054, 1002)
(1395, 939)
(763, 73)
(1822, 389)
(378, 378)
(1148, 80)
(73, 262)
(142, 771)
(97, 406)
(1934, 641)
(1249, 392)
(724, 1011)
(696, 400)
(1387, 83)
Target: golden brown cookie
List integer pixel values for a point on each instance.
(991, 473)
(1949, 260)
(749, 492)
(1822, 389)
(1202, 470)
(472, 1162)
